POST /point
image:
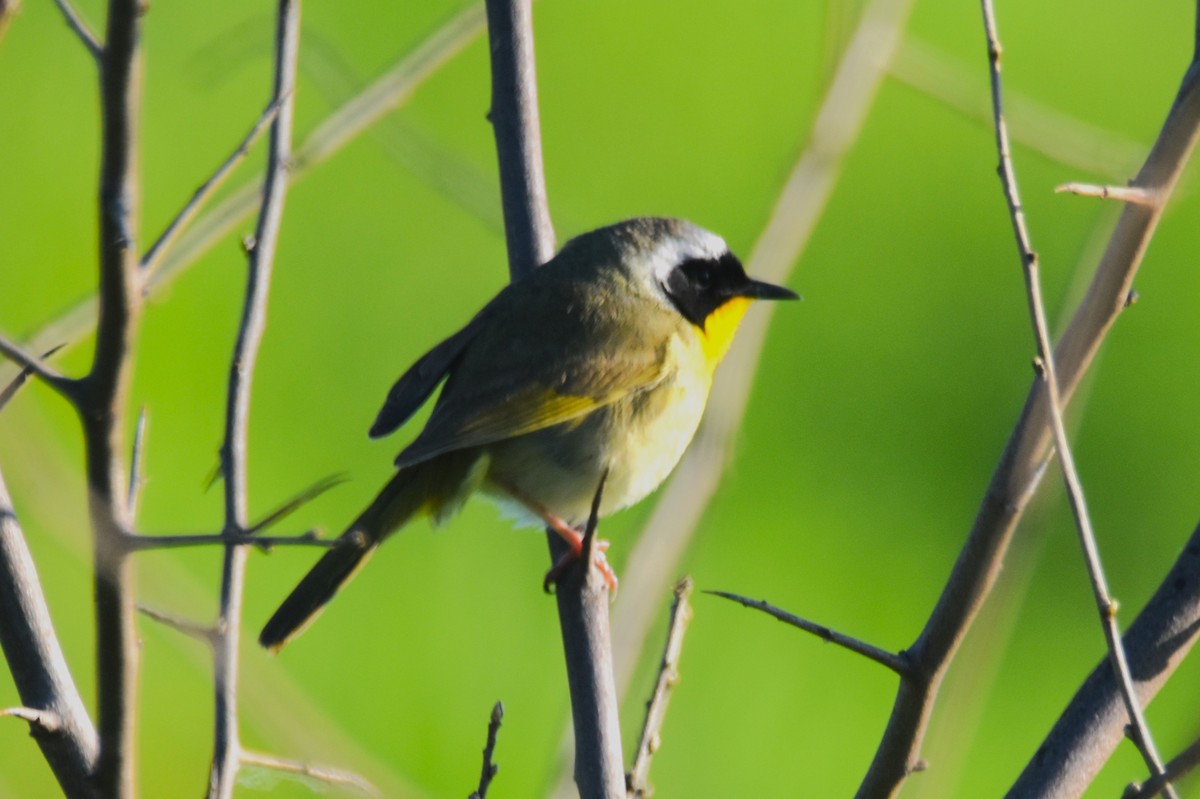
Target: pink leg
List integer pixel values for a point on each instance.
(573, 538)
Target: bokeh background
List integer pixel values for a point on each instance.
(879, 410)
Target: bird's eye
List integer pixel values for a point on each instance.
(701, 274)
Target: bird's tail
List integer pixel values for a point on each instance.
(438, 487)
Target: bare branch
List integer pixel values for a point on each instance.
(1027, 453)
(140, 543)
(37, 664)
(514, 117)
(1180, 766)
(81, 29)
(581, 596)
(1095, 721)
(32, 365)
(488, 770)
(226, 740)
(1066, 460)
(201, 632)
(154, 255)
(1125, 194)
(890, 660)
(388, 92)
(104, 396)
(321, 773)
(637, 781)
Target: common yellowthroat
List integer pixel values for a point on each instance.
(596, 365)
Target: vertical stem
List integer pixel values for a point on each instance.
(261, 254)
(582, 599)
(103, 400)
(514, 117)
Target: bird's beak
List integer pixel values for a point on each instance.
(759, 290)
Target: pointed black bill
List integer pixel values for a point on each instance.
(760, 290)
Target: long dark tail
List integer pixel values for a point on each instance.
(403, 497)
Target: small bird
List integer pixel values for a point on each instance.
(595, 367)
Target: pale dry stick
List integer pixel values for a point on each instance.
(581, 595)
(889, 660)
(8, 10)
(801, 202)
(1179, 766)
(1027, 452)
(1038, 127)
(35, 660)
(1029, 261)
(1125, 194)
(227, 748)
(154, 255)
(488, 770)
(81, 29)
(637, 781)
(321, 773)
(385, 94)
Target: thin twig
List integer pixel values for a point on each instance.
(154, 255)
(329, 775)
(44, 721)
(637, 781)
(295, 503)
(487, 772)
(192, 629)
(1125, 194)
(32, 365)
(81, 29)
(226, 740)
(14, 385)
(140, 543)
(136, 480)
(390, 91)
(1180, 766)
(887, 659)
(1029, 261)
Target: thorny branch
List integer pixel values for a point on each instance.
(227, 748)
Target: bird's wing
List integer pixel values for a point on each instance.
(415, 385)
(541, 360)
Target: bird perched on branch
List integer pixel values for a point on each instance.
(595, 367)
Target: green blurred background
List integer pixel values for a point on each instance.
(879, 411)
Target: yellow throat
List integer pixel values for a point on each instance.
(719, 327)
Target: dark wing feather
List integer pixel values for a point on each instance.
(415, 385)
